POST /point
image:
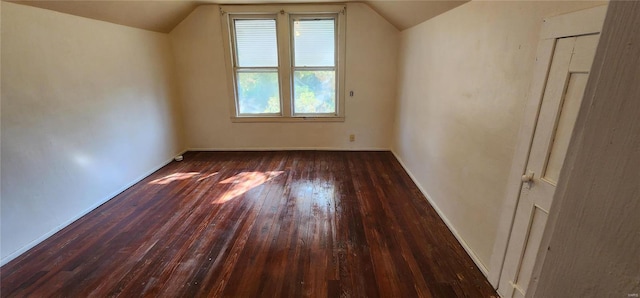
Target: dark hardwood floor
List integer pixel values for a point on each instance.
(256, 224)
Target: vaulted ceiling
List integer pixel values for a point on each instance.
(164, 15)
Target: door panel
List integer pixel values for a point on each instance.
(561, 101)
(538, 221)
(568, 115)
(557, 83)
(584, 51)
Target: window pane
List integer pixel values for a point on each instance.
(258, 93)
(314, 42)
(256, 43)
(314, 92)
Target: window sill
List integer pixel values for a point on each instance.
(285, 119)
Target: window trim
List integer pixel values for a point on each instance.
(285, 58)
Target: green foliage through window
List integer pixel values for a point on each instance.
(314, 92)
(258, 93)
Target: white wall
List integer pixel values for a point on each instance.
(463, 82)
(87, 109)
(370, 73)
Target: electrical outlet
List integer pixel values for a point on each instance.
(352, 138)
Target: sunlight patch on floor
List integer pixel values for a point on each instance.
(174, 177)
(244, 182)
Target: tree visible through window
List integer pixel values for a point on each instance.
(304, 83)
(258, 93)
(314, 92)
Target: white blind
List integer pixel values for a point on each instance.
(256, 43)
(314, 42)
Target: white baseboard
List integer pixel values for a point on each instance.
(37, 241)
(291, 149)
(453, 230)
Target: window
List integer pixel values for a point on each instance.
(286, 63)
(256, 66)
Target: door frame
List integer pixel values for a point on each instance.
(583, 22)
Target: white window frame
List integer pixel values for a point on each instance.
(284, 15)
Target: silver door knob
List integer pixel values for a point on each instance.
(527, 177)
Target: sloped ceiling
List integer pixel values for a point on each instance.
(406, 14)
(164, 15)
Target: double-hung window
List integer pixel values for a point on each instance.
(286, 63)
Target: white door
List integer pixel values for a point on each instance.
(565, 85)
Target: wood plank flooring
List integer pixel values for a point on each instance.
(256, 224)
